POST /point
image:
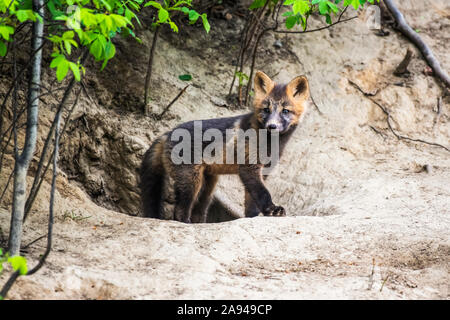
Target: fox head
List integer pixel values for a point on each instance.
(279, 106)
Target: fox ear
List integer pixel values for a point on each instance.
(298, 89)
(263, 84)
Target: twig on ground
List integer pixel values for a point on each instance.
(369, 287)
(32, 242)
(315, 105)
(159, 116)
(367, 94)
(402, 68)
(389, 118)
(438, 111)
(384, 282)
(378, 131)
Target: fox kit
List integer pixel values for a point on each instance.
(277, 109)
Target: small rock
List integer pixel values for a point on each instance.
(277, 44)
(228, 16)
(428, 71)
(134, 143)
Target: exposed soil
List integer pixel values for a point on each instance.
(365, 219)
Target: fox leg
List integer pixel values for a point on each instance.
(188, 182)
(167, 198)
(200, 211)
(251, 178)
(251, 209)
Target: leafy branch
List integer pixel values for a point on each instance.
(164, 13)
(296, 13)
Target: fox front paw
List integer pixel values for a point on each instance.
(276, 211)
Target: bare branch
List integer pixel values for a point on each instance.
(318, 29)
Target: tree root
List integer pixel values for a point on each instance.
(389, 118)
(408, 32)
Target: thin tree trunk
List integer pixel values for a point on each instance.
(23, 160)
(37, 177)
(16, 274)
(148, 76)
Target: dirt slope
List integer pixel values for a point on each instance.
(364, 219)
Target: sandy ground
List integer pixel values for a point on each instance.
(365, 221)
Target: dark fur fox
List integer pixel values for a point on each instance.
(190, 187)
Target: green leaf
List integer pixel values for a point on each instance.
(205, 23)
(257, 4)
(68, 35)
(323, 8)
(68, 47)
(96, 48)
(57, 60)
(120, 21)
(135, 6)
(333, 7)
(62, 69)
(110, 50)
(88, 18)
(104, 64)
(193, 16)
(300, 6)
(163, 15)
(19, 263)
(3, 49)
(107, 5)
(354, 3)
(185, 10)
(173, 26)
(291, 21)
(75, 71)
(23, 15)
(153, 4)
(109, 24)
(5, 31)
(185, 77)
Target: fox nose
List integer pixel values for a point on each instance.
(272, 126)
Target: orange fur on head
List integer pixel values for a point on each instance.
(298, 93)
(263, 85)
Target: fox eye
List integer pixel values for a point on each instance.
(266, 110)
(285, 111)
